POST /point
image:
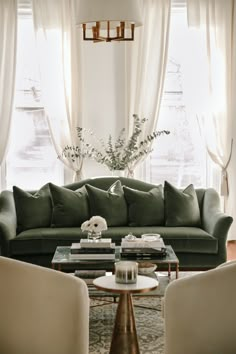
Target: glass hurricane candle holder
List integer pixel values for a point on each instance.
(94, 236)
(126, 272)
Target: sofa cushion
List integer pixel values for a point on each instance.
(45, 240)
(145, 208)
(181, 207)
(110, 204)
(32, 210)
(70, 208)
(182, 239)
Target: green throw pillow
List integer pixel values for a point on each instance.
(32, 210)
(70, 208)
(181, 207)
(110, 204)
(145, 208)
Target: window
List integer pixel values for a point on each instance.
(181, 158)
(31, 160)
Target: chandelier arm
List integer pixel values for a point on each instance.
(120, 33)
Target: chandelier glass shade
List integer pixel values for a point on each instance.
(108, 20)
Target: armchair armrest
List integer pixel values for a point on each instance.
(199, 313)
(215, 222)
(7, 221)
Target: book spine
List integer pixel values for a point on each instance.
(142, 250)
(88, 281)
(129, 244)
(92, 250)
(89, 274)
(96, 246)
(98, 250)
(92, 256)
(100, 243)
(143, 255)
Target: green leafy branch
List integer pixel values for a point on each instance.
(117, 155)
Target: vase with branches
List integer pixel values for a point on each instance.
(118, 154)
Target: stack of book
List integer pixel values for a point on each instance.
(143, 249)
(103, 249)
(89, 275)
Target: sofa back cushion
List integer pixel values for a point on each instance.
(145, 208)
(181, 207)
(32, 210)
(109, 204)
(70, 208)
(105, 182)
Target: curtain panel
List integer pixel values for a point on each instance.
(60, 56)
(214, 24)
(8, 43)
(145, 66)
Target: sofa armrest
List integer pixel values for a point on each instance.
(8, 221)
(215, 222)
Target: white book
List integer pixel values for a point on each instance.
(102, 243)
(140, 243)
(77, 248)
(95, 256)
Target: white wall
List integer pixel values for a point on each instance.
(104, 104)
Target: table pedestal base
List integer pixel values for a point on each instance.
(124, 338)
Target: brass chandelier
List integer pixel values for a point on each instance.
(108, 20)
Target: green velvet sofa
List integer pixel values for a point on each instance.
(33, 224)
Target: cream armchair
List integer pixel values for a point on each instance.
(42, 311)
(200, 313)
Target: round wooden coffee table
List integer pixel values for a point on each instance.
(124, 338)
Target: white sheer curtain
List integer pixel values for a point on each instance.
(8, 39)
(58, 42)
(146, 59)
(215, 21)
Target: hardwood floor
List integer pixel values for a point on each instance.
(231, 250)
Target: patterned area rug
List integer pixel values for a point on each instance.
(149, 322)
(149, 325)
